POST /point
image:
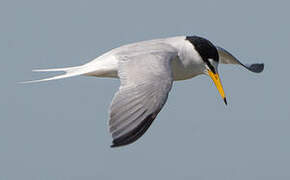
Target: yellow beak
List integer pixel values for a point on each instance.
(216, 79)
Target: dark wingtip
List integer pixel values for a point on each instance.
(117, 143)
(113, 145)
(257, 68)
(136, 133)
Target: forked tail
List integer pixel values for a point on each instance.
(69, 72)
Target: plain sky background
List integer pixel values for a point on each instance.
(58, 129)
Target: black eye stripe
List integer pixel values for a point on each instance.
(204, 47)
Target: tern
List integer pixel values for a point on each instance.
(146, 71)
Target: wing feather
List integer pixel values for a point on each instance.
(227, 58)
(146, 80)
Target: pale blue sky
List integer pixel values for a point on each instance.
(58, 129)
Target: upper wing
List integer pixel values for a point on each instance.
(227, 58)
(146, 80)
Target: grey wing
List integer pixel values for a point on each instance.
(146, 80)
(226, 57)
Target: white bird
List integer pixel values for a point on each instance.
(147, 70)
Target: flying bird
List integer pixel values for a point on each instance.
(147, 70)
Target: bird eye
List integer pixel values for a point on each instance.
(210, 65)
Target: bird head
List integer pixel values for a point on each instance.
(209, 55)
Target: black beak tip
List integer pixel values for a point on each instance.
(225, 100)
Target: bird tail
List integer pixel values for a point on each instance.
(68, 72)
